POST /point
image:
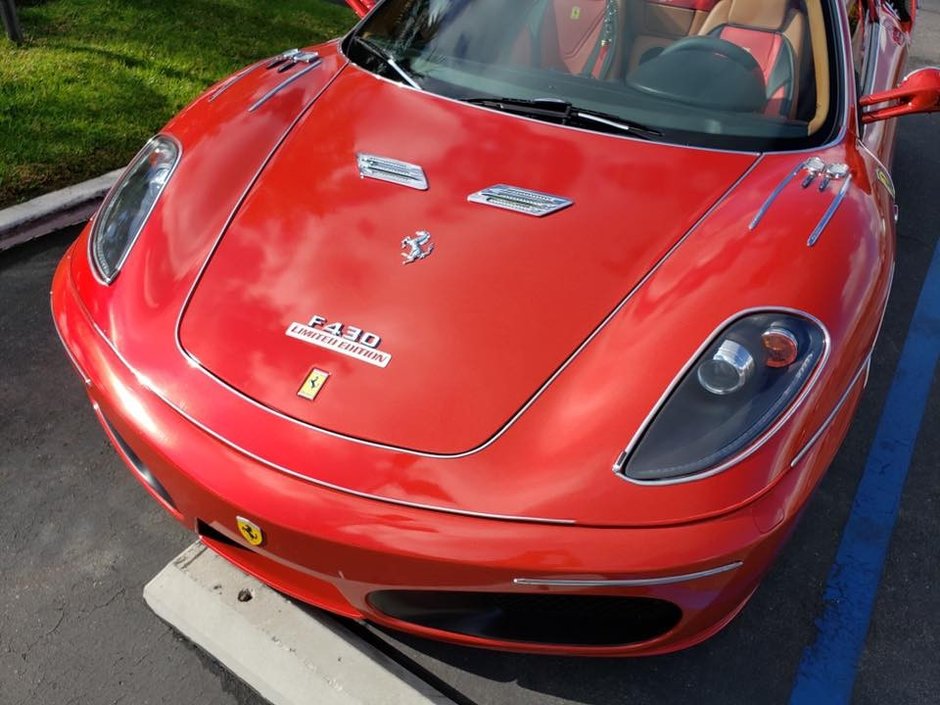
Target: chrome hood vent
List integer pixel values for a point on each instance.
(521, 200)
(372, 166)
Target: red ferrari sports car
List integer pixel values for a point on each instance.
(522, 325)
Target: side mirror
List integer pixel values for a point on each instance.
(360, 7)
(919, 92)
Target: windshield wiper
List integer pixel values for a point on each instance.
(386, 58)
(566, 114)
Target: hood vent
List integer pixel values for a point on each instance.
(520, 200)
(372, 166)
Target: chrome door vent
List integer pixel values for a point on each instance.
(520, 200)
(372, 166)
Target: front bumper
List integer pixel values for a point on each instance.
(368, 559)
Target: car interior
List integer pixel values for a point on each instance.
(739, 74)
(765, 56)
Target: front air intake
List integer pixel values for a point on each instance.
(138, 465)
(571, 620)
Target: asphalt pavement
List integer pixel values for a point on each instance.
(79, 538)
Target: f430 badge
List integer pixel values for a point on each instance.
(342, 338)
(416, 247)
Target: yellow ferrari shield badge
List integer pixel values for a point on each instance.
(885, 180)
(313, 384)
(251, 531)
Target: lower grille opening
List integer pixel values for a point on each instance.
(572, 620)
(139, 466)
(206, 531)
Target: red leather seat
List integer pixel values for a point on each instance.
(575, 36)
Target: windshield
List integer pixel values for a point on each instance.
(737, 74)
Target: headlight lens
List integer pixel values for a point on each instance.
(124, 213)
(733, 393)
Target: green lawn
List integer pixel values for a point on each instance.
(96, 78)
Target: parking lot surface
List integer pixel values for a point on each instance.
(80, 538)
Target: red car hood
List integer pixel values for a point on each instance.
(474, 330)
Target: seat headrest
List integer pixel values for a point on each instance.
(762, 14)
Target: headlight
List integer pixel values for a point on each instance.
(733, 394)
(124, 213)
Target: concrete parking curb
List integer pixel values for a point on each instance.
(287, 654)
(52, 211)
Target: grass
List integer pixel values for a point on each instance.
(96, 78)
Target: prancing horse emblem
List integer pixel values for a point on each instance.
(250, 531)
(415, 245)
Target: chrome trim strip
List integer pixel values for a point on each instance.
(774, 194)
(832, 415)
(270, 63)
(761, 440)
(289, 59)
(284, 84)
(394, 171)
(830, 211)
(499, 432)
(631, 582)
(95, 271)
(232, 80)
(282, 58)
(520, 200)
(814, 166)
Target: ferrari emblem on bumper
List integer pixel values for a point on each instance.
(250, 531)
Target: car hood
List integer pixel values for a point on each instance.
(469, 334)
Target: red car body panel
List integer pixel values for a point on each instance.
(525, 354)
(333, 549)
(470, 361)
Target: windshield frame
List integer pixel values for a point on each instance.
(833, 132)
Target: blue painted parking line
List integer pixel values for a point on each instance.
(827, 670)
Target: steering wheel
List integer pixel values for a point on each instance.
(704, 71)
(718, 47)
